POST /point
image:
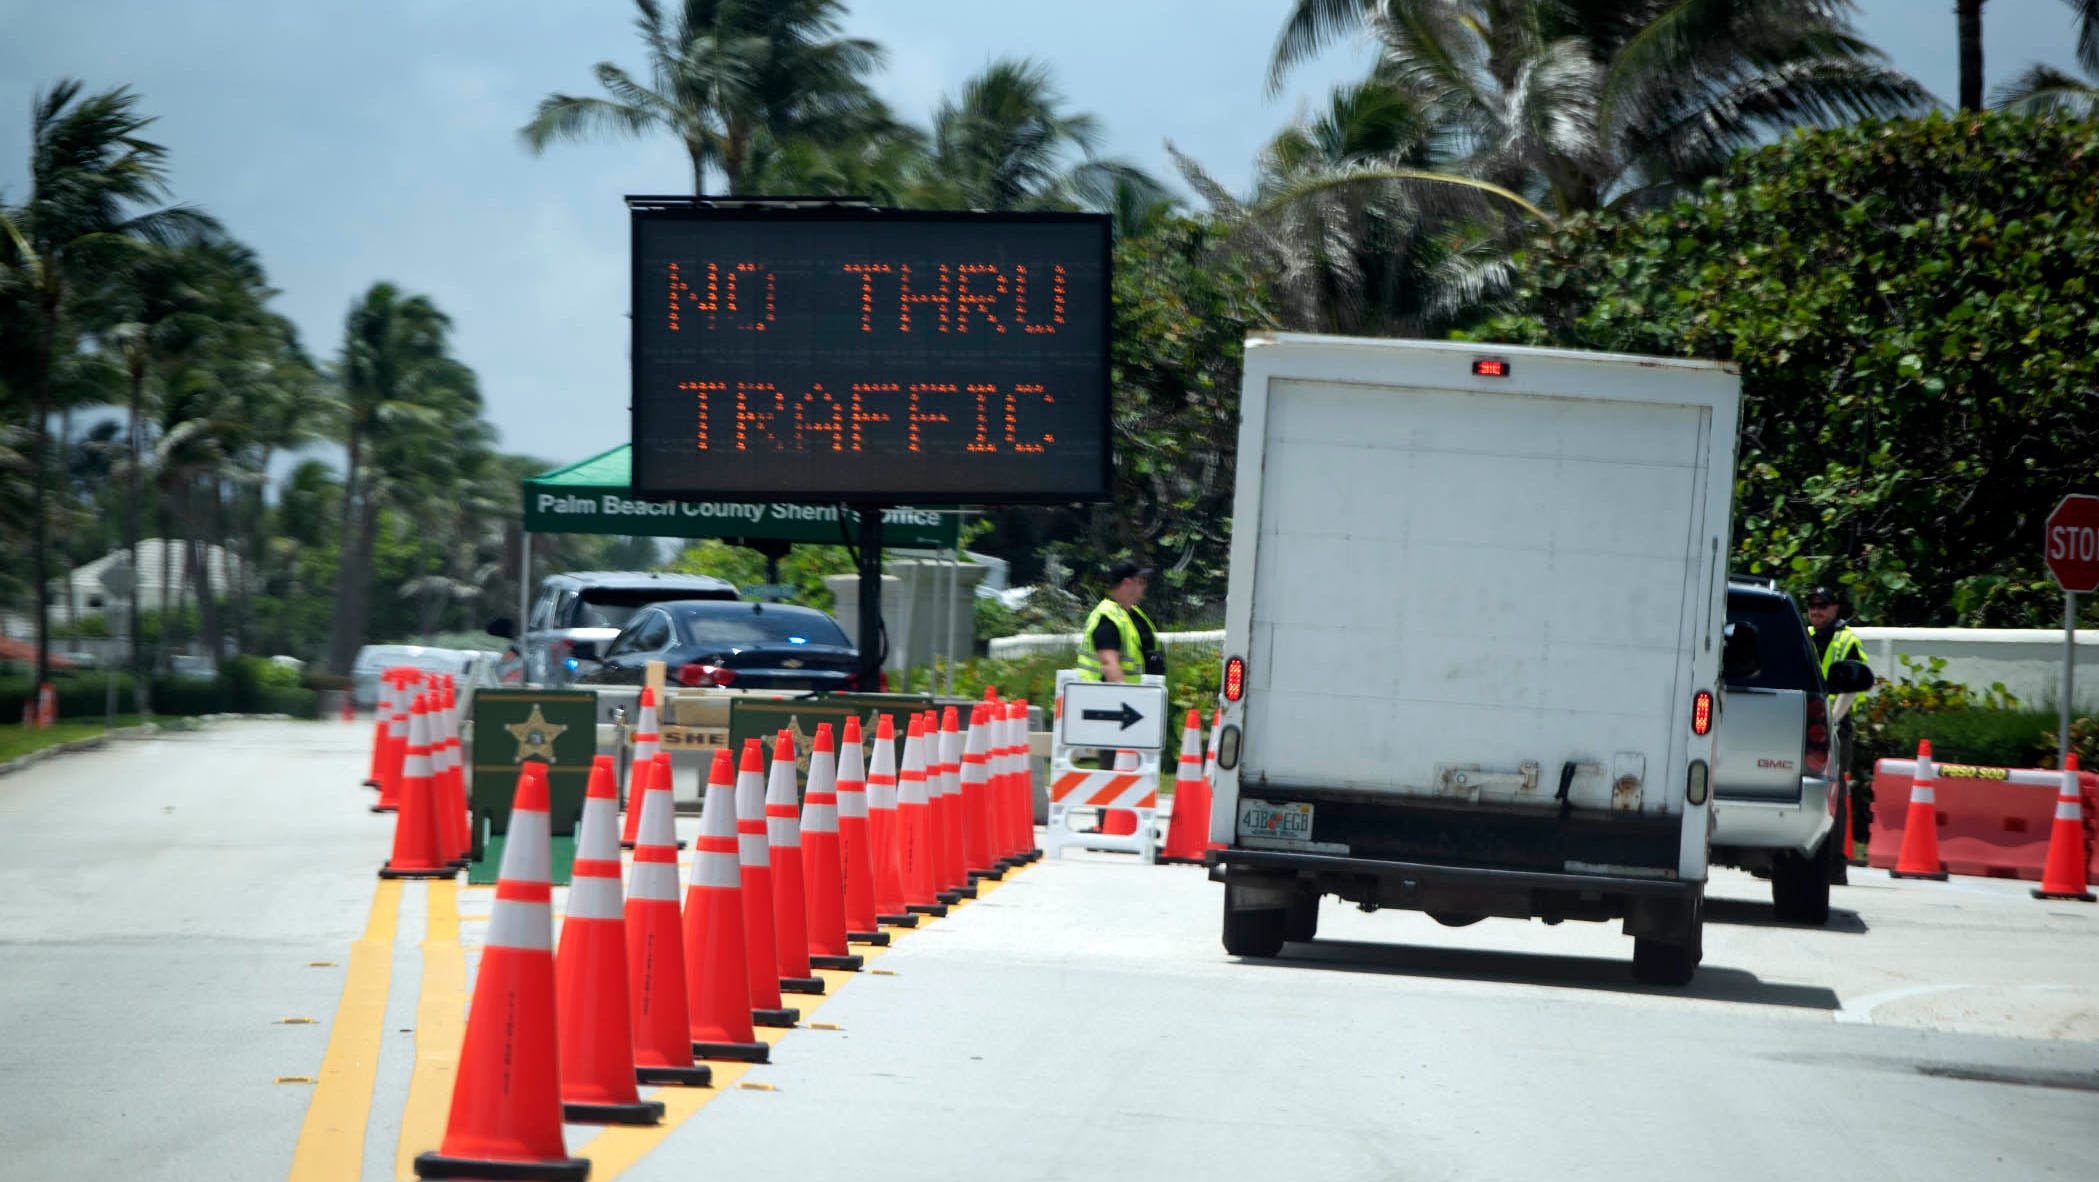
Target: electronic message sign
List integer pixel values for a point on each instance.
(865, 355)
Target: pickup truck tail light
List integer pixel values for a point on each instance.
(1816, 760)
(1235, 679)
(698, 675)
(1702, 713)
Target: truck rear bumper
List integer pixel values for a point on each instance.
(1661, 907)
(1796, 825)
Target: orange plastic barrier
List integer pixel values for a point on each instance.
(1993, 822)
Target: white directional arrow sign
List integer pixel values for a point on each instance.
(1113, 714)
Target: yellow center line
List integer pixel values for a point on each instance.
(331, 1142)
(440, 1027)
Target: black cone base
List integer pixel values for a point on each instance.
(846, 964)
(964, 892)
(802, 984)
(781, 1017)
(643, 1112)
(878, 939)
(739, 1052)
(445, 871)
(933, 909)
(386, 808)
(898, 921)
(437, 1165)
(699, 1075)
(1938, 877)
(2038, 893)
(981, 875)
(948, 898)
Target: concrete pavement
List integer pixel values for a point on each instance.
(166, 904)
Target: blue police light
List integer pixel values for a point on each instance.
(572, 664)
(797, 640)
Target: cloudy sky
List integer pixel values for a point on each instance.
(350, 142)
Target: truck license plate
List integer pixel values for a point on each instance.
(1290, 821)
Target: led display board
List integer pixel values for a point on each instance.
(875, 356)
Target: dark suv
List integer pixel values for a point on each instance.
(1778, 800)
(593, 605)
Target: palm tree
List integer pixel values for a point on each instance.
(2044, 89)
(401, 391)
(90, 167)
(1583, 103)
(723, 75)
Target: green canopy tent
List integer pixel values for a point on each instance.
(596, 496)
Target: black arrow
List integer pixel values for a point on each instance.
(1127, 715)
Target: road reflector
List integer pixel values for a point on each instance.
(295, 1079)
(823, 1025)
(757, 1087)
(883, 972)
(320, 964)
(295, 1021)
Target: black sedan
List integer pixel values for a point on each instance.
(733, 645)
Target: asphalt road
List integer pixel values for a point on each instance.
(180, 917)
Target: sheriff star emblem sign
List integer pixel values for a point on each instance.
(535, 736)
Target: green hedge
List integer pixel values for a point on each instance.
(245, 685)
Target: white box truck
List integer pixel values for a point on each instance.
(1473, 638)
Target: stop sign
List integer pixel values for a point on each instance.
(2073, 543)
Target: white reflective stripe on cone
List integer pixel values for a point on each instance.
(781, 829)
(750, 820)
(882, 766)
(718, 812)
(526, 857)
(597, 835)
(656, 882)
(592, 896)
(527, 927)
(820, 804)
(2067, 810)
(1920, 793)
(721, 871)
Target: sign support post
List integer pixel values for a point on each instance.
(2072, 555)
(870, 626)
(2062, 738)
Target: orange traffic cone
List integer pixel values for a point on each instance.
(1023, 781)
(761, 955)
(783, 839)
(823, 866)
(1190, 826)
(717, 979)
(417, 852)
(977, 843)
(645, 748)
(2062, 876)
(396, 753)
(590, 973)
(506, 1099)
(656, 942)
(882, 828)
(1000, 754)
(955, 867)
(856, 866)
(448, 785)
(1920, 829)
(914, 826)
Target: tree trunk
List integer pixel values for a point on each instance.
(47, 334)
(1969, 14)
(342, 640)
(699, 171)
(141, 694)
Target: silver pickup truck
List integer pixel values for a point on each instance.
(1778, 798)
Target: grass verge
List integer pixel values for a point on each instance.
(17, 740)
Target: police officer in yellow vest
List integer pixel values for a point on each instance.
(1835, 641)
(1118, 642)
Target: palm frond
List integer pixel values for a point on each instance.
(2045, 90)
(1312, 25)
(580, 117)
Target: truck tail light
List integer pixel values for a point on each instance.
(698, 675)
(1702, 712)
(1235, 679)
(1816, 760)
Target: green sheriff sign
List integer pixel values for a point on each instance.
(595, 496)
(555, 727)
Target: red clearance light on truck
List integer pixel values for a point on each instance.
(1234, 679)
(1702, 712)
(1489, 367)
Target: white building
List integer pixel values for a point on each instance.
(159, 581)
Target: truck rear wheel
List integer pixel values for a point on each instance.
(1800, 886)
(1660, 962)
(1253, 933)
(1301, 920)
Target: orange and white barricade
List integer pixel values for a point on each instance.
(1131, 785)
